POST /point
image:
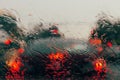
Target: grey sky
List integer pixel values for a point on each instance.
(62, 10)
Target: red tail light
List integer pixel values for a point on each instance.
(54, 31)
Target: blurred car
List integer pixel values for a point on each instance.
(58, 58)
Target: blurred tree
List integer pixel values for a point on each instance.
(9, 23)
(107, 30)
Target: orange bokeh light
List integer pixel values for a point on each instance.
(14, 72)
(15, 65)
(95, 41)
(99, 65)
